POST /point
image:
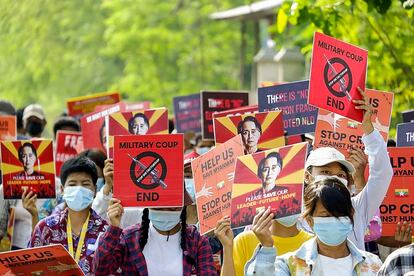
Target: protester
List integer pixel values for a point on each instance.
(65, 123)
(98, 157)
(34, 120)
(77, 227)
(6, 108)
(162, 245)
(329, 211)
(399, 262)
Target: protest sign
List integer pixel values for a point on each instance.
(148, 170)
(8, 129)
(292, 98)
(150, 121)
(125, 106)
(213, 174)
(398, 203)
(7, 241)
(408, 116)
(187, 113)
(333, 130)
(337, 69)
(405, 135)
(259, 131)
(294, 139)
(79, 106)
(93, 127)
(68, 144)
(212, 101)
(43, 260)
(28, 165)
(272, 178)
(237, 111)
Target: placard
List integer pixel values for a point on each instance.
(68, 144)
(299, 117)
(44, 260)
(213, 174)
(187, 113)
(148, 170)
(272, 178)
(333, 130)
(212, 101)
(79, 106)
(405, 135)
(28, 165)
(250, 109)
(125, 106)
(259, 131)
(408, 116)
(337, 69)
(398, 203)
(8, 129)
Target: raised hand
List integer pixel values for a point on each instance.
(261, 227)
(367, 109)
(29, 199)
(223, 232)
(115, 212)
(108, 173)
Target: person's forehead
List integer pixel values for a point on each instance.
(319, 208)
(79, 176)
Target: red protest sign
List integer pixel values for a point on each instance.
(68, 144)
(124, 106)
(150, 121)
(213, 174)
(44, 260)
(337, 69)
(8, 129)
(237, 111)
(398, 203)
(148, 170)
(341, 133)
(28, 165)
(272, 178)
(80, 106)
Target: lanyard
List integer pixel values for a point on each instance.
(81, 238)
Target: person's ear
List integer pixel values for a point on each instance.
(309, 220)
(308, 177)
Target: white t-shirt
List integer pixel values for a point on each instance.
(327, 266)
(163, 257)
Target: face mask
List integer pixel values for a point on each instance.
(288, 221)
(202, 150)
(332, 231)
(340, 179)
(164, 220)
(34, 128)
(100, 183)
(77, 197)
(189, 186)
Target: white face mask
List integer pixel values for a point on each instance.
(323, 176)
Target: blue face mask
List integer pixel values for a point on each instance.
(100, 183)
(77, 197)
(332, 231)
(202, 150)
(164, 220)
(189, 186)
(288, 221)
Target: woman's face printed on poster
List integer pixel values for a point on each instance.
(139, 124)
(27, 156)
(251, 130)
(269, 169)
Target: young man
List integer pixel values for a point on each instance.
(77, 227)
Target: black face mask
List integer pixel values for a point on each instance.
(34, 128)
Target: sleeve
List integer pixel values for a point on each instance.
(263, 263)
(110, 253)
(390, 267)
(205, 263)
(239, 254)
(4, 216)
(100, 204)
(38, 235)
(380, 175)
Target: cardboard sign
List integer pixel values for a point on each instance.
(292, 98)
(294, 139)
(8, 128)
(187, 113)
(28, 165)
(124, 106)
(408, 116)
(405, 135)
(68, 144)
(80, 106)
(212, 101)
(337, 69)
(213, 174)
(333, 130)
(44, 260)
(151, 121)
(237, 111)
(259, 131)
(398, 203)
(7, 241)
(270, 178)
(148, 170)
(93, 127)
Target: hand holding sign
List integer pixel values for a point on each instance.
(366, 106)
(29, 202)
(108, 173)
(403, 233)
(115, 212)
(224, 233)
(261, 227)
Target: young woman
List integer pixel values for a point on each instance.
(162, 245)
(329, 211)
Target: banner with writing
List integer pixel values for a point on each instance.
(405, 135)
(408, 116)
(187, 113)
(8, 129)
(68, 145)
(79, 106)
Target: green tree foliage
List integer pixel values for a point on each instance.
(384, 28)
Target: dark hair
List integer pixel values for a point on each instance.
(391, 143)
(66, 121)
(7, 108)
(270, 155)
(249, 119)
(96, 155)
(20, 150)
(333, 195)
(131, 121)
(101, 134)
(78, 164)
(19, 117)
(145, 226)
